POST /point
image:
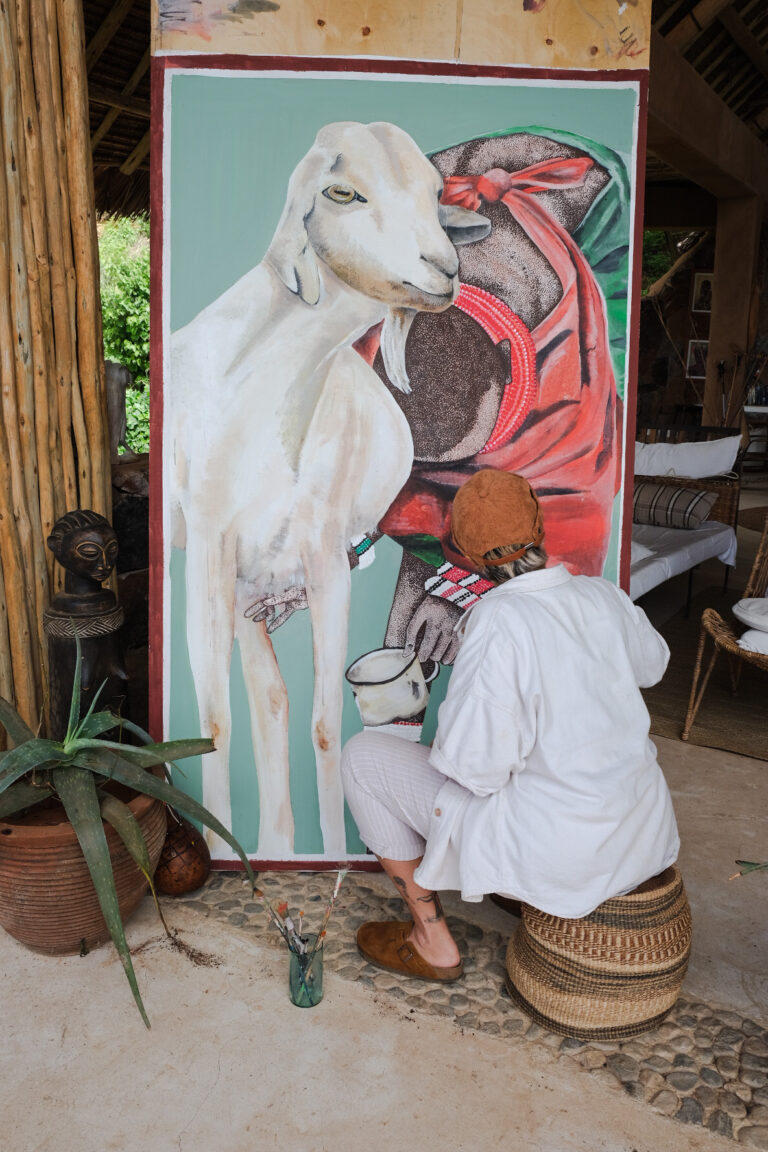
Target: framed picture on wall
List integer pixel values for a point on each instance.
(702, 292)
(696, 360)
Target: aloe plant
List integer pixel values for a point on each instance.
(76, 770)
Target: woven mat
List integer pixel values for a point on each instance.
(753, 518)
(734, 723)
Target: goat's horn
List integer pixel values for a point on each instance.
(397, 325)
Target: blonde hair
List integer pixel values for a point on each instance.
(531, 560)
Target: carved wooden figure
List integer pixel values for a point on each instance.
(85, 545)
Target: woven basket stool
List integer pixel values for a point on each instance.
(609, 975)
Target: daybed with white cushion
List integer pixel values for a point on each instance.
(661, 548)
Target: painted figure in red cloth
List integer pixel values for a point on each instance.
(518, 375)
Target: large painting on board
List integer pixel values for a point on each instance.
(373, 287)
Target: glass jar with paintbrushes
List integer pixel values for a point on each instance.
(305, 972)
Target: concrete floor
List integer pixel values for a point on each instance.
(230, 1064)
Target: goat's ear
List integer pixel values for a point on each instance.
(290, 253)
(397, 325)
(462, 225)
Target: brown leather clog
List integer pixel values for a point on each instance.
(386, 945)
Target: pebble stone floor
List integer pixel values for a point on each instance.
(702, 1065)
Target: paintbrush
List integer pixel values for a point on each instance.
(275, 917)
(342, 873)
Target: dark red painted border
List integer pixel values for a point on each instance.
(156, 561)
(297, 865)
(383, 66)
(633, 349)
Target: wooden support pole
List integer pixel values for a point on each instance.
(52, 394)
(18, 403)
(90, 353)
(15, 534)
(736, 248)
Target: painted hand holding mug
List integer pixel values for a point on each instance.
(391, 691)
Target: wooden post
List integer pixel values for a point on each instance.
(54, 452)
(736, 247)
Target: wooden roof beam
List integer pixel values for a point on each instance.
(728, 158)
(102, 36)
(131, 104)
(688, 30)
(742, 36)
(129, 89)
(140, 152)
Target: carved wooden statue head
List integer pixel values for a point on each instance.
(85, 544)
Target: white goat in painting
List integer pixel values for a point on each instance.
(286, 445)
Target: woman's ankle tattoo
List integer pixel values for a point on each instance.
(432, 898)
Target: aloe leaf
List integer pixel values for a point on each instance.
(77, 791)
(91, 709)
(108, 763)
(74, 704)
(96, 723)
(145, 736)
(21, 795)
(32, 754)
(136, 729)
(119, 815)
(151, 755)
(18, 731)
(748, 866)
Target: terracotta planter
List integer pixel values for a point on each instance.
(47, 898)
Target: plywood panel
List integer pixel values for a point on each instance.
(395, 28)
(602, 34)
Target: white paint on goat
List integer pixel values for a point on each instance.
(285, 444)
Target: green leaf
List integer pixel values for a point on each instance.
(34, 753)
(74, 704)
(748, 866)
(18, 731)
(91, 710)
(77, 790)
(21, 795)
(119, 815)
(151, 755)
(109, 764)
(96, 723)
(137, 731)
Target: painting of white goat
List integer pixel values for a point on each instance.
(272, 416)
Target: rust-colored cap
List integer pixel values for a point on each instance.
(495, 510)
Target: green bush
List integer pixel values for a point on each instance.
(124, 258)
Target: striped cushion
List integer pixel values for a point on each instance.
(669, 506)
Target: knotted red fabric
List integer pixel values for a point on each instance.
(558, 427)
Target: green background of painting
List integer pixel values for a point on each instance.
(234, 141)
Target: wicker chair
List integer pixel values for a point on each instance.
(726, 640)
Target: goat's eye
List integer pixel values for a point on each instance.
(340, 194)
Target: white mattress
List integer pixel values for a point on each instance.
(675, 550)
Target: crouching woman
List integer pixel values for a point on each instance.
(542, 783)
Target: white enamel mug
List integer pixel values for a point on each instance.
(388, 686)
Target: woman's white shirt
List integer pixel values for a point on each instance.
(554, 794)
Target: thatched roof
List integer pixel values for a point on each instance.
(726, 42)
(117, 35)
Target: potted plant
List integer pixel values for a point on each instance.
(87, 774)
